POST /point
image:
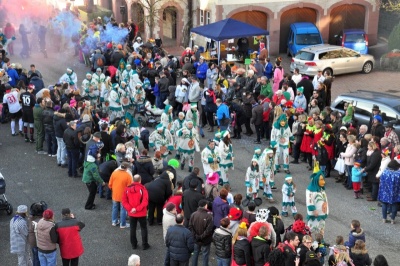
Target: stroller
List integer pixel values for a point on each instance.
(4, 205)
(148, 115)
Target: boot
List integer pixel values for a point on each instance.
(182, 166)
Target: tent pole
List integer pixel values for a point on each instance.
(219, 51)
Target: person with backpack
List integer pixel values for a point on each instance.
(135, 201)
(190, 200)
(98, 60)
(211, 191)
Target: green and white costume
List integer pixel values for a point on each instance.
(161, 140)
(188, 144)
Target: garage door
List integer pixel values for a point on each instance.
(346, 17)
(255, 18)
(291, 16)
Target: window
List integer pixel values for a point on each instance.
(208, 17)
(387, 113)
(204, 17)
(201, 17)
(355, 38)
(303, 55)
(308, 39)
(363, 108)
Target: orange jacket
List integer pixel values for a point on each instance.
(119, 180)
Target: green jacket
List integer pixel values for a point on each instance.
(91, 173)
(266, 90)
(37, 113)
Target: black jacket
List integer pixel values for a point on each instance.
(106, 169)
(60, 124)
(190, 201)
(250, 83)
(279, 227)
(260, 250)
(163, 85)
(71, 139)
(302, 253)
(180, 243)
(189, 178)
(201, 225)
(257, 115)
(372, 166)
(47, 116)
(160, 189)
(106, 139)
(115, 58)
(290, 255)
(222, 240)
(144, 167)
(242, 252)
(360, 258)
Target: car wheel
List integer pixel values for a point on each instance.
(367, 67)
(328, 71)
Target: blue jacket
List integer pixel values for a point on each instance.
(180, 242)
(156, 90)
(13, 74)
(353, 237)
(268, 70)
(222, 112)
(220, 210)
(356, 175)
(201, 70)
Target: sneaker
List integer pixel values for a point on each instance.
(392, 222)
(385, 221)
(32, 141)
(14, 134)
(126, 226)
(115, 224)
(26, 139)
(42, 152)
(54, 155)
(49, 155)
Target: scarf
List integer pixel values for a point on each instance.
(194, 118)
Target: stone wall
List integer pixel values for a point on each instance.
(387, 20)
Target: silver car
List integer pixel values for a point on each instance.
(331, 58)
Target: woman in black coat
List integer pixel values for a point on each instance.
(143, 166)
(277, 223)
(372, 167)
(159, 191)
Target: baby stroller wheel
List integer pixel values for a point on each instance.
(9, 209)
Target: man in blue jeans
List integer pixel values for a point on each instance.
(72, 144)
(201, 225)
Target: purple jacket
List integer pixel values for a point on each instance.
(220, 210)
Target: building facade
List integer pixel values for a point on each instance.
(330, 16)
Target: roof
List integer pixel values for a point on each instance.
(302, 26)
(349, 31)
(321, 48)
(228, 29)
(376, 97)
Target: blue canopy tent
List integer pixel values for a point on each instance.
(228, 29)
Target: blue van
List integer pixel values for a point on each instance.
(301, 35)
(356, 39)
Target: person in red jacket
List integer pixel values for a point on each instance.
(135, 201)
(66, 234)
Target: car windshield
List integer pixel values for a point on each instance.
(397, 108)
(303, 55)
(355, 38)
(308, 39)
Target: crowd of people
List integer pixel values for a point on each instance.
(92, 128)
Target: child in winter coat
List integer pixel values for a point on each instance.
(356, 177)
(355, 234)
(321, 155)
(321, 248)
(288, 191)
(359, 254)
(252, 179)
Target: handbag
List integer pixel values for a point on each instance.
(339, 166)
